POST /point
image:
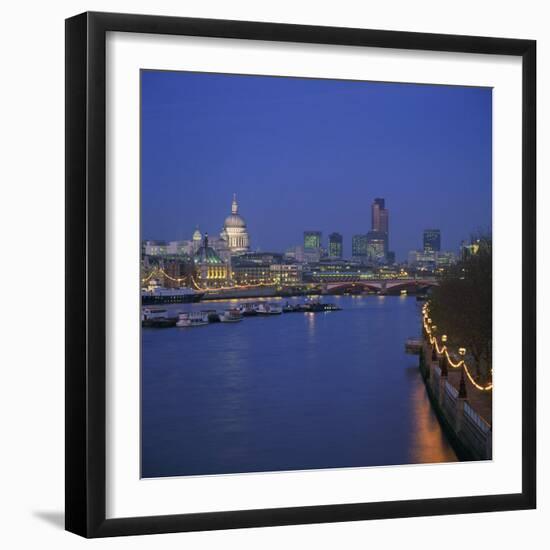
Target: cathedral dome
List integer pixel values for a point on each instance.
(234, 220)
(197, 235)
(234, 231)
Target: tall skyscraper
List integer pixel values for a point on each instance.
(380, 220)
(432, 240)
(312, 240)
(379, 216)
(335, 245)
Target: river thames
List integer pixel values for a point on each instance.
(288, 392)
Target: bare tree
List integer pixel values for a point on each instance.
(461, 306)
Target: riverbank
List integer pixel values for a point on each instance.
(464, 413)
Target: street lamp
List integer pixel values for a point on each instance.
(444, 338)
(462, 394)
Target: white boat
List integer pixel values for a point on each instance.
(275, 309)
(231, 316)
(269, 309)
(148, 313)
(192, 319)
(156, 317)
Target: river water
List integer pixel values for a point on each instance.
(288, 392)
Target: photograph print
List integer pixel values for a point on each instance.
(316, 274)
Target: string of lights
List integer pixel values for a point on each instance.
(161, 272)
(444, 350)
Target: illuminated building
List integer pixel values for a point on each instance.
(335, 245)
(234, 231)
(155, 248)
(286, 273)
(179, 248)
(312, 241)
(445, 259)
(432, 240)
(336, 271)
(250, 273)
(429, 260)
(295, 253)
(422, 260)
(379, 216)
(376, 246)
(210, 269)
(264, 268)
(312, 256)
(359, 247)
(197, 240)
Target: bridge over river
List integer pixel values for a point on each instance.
(383, 286)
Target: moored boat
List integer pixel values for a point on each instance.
(316, 306)
(156, 294)
(212, 315)
(192, 319)
(248, 309)
(275, 309)
(264, 308)
(231, 316)
(156, 317)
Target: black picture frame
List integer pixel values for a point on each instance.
(86, 275)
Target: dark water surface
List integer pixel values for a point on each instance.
(288, 392)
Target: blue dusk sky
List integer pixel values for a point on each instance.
(310, 154)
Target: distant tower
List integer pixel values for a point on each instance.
(379, 216)
(197, 238)
(380, 220)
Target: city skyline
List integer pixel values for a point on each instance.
(323, 242)
(208, 136)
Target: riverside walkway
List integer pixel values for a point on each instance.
(462, 404)
(481, 402)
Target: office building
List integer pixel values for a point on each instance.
(432, 240)
(335, 245)
(376, 246)
(360, 247)
(312, 240)
(380, 221)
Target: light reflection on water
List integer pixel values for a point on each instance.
(287, 392)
